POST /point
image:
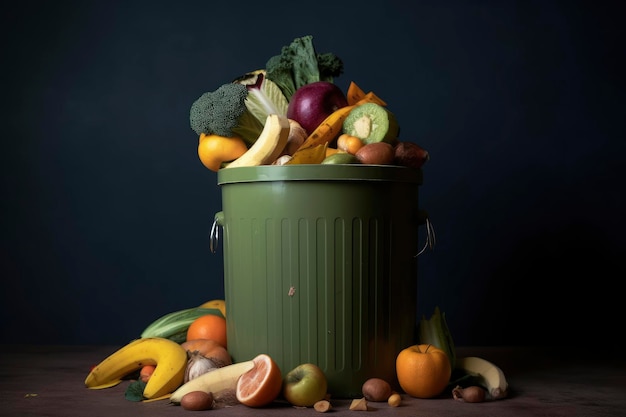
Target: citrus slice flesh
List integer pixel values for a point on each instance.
(262, 384)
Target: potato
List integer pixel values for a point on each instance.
(408, 154)
(377, 153)
(197, 401)
(376, 389)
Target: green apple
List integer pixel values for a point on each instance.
(305, 385)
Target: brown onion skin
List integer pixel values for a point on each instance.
(472, 394)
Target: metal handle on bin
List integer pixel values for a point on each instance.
(430, 232)
(214, 237)
(431, 240)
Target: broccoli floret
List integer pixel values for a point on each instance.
(299, 64)
(223, 112)
(330, 66)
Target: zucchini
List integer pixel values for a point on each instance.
(174, 325)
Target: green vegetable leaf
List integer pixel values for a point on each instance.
(264, 96)
(299, 64)
(434, 331)
(134, 391)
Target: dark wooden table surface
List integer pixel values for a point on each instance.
(586, 382)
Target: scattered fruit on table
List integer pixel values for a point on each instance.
(168, 356)
(394, 400)
(376, 389)
(260, 385)
(201, 369)
(221, 380)
(471, 394)
(209, 348)
(322, 406)
(174, 325)
(434, 331)
(198, 365)
(423, 371)
(304, 385)
(197, 401)
(488, 375)
(359, 404)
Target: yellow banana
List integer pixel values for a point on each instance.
(169, 357)
(269, 144)
(312, 155)
(216, 381)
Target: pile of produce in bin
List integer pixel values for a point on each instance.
(291, 112)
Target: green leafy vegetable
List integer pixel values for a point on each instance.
(434, 331)
(174, 325)
(264, 96)
(299, 64)
(239, 108)
(134, 391)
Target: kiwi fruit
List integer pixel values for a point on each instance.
(371, 123)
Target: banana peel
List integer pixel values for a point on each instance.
(486, 374)
(312, 155)
(169, 357)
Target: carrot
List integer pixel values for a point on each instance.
(372, 98)
(354, 93)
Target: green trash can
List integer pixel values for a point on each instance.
(320, 266)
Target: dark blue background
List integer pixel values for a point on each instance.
(106, 209)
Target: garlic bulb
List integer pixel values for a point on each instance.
(198, 365)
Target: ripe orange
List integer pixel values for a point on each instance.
(208, 326)
(423, 371)
(262, 384)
